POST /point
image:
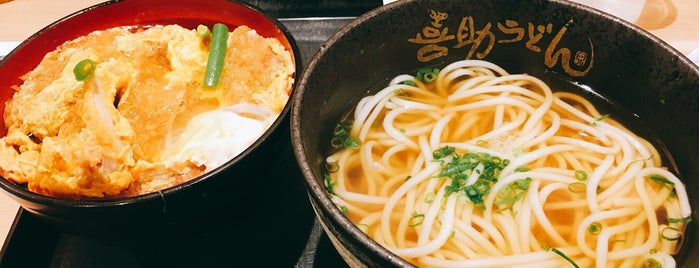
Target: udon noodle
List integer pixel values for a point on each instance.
(476, 167)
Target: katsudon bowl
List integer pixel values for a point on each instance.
(228, 187)
(627, 72)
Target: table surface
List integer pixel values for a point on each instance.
(674, 21)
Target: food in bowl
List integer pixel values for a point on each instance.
(471, 166)
(133, 110)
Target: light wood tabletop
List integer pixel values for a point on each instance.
(674, 21)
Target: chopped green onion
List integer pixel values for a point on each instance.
(332, 167)
(430, 77)
(580, 175)
(416, 219)
(496, 160)
(353, 143)
(671, 233)
(652, 263)
(511, 193)
(427, 75)
(399, 92)
(328, 183)
(337, 142)
(429, 198)
(217, 55)
(661, 180)
(475, 192)
(344, 209)
(443, 152)
(680, 220)
(577, 187)
(599, 120)
(460, 168)
(341, 136)
(203, 32)
(522, 169)
(409, 83)
(560, 253)
(340, 130)
(639, 160)
(84, 69)
(594, 228)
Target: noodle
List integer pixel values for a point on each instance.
(482, 168)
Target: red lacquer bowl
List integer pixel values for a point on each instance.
(221, 188)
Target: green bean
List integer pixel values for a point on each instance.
(217, 55)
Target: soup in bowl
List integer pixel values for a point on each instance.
(500, 134)
(132, 112)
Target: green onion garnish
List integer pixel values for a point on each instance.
(332, 167)
(580, 175)
(84, 69)
(639, 160)
(671, 233)
(661, 180)
(522, 169)
(328, 183)
(429, 198)
(508, 195)
(341, 136)
(408, 82)
(560, 253)
(679, 220)
(427, 75)
(399, 92)
(217, 55)
(599, 120)
(353, 143)
(594, 228)
(416, 219)
(652, 263)
(443, 152)
(460, 167)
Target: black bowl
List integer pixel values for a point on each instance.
(227, 188)
(629, 69)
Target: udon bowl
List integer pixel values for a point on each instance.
(561, 42)
(224, 189)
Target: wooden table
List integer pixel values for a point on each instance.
(674, 21)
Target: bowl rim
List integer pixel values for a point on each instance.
(316, 189)
(17, 190)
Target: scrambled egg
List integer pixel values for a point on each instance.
(124, 131)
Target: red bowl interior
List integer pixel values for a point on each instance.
(186, 13)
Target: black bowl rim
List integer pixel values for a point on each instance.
(315, 188)
(18, 191)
